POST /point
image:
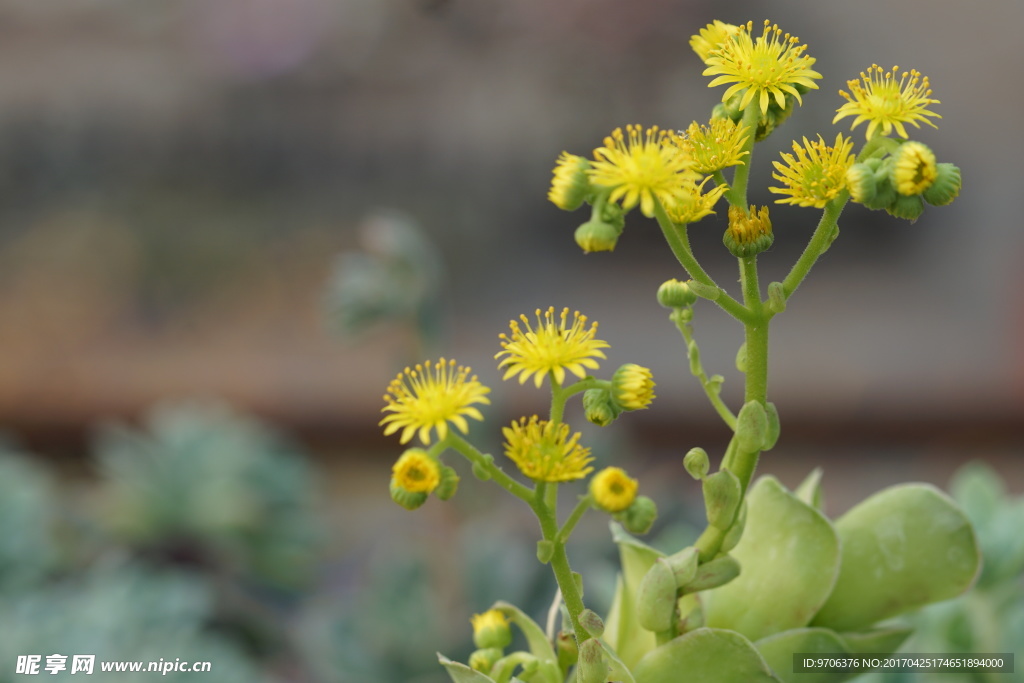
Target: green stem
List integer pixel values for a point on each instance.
(820, 241)
(679, 242)
(497, 474)
(560, 565)
(737, 194)
(713, 395)
(581, 508)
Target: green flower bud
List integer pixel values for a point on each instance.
(483, 660)
(684, 565)
(907, 207)
(713, 574)
(570, 184)
(490, 630)
(774, 427)
(946, 187)
(751, 427)
(545, 551)
(860, 180)
(481, 472)
(449, 483)
(410, 500)
(735, 532)
(591, 667)
(597, 236)
(632, 387)
(656, 597)
(675, 294)
(722, 495)
(885, 191)
(599, 407)
(639, 517)
(567, 650)
(709, 292)
(696, 463)
(592, 623)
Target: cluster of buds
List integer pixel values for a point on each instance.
(903, 181)
(631, 388)
(417, 474)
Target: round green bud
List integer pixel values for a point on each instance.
(860, 179)
(696, 463)
(639, 517)
(885, 192)
(675, 294)
(596, 236)
(599, 407)
(484, 659)
(490, 630)
(449, 483)
(410, 500)
(750, 233)
(946, 187)
(908, 207)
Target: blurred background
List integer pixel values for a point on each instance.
(207, 203)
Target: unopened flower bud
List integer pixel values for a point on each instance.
(860, 179)
(675, 294)
(599, 407)
(946, 187)
(885, 192)
(484, 659)
(909, 208)
(407, 499)
(696, 463)
(416, 471)
(596, 235)
(449, 483)
(490, 629)
(570, 185)
(913, 169)
(639, 517)
(632, 387)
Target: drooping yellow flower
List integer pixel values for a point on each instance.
(633, 387)
(428, 397)
(772, 66)
(914, 168)
(711, 37)
(569, 185)
(715, 146)
(816, 175)
(553, 347)
(887, 100)
(692, 205)
(544, 451)
(613, 490)
(640, 167)
(416, 472)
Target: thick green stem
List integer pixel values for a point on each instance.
(737, 194)
(820, 241)
(560, 564)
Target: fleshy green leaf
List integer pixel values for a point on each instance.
(902, 548)
(707, 655)
(810, 491)
(538, 641)
(618, 671)
(789, 555)
(877, 641)
(460, 673)
(778, 650)
(622, 631)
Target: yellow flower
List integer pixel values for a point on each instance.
(490, 629)
(692, 205)
(772, 66)
(544, 451)
(640, 168)
(552, 348)
(633, 387)
(716, 146)
(914, 168)
(711, 37)
(569, 185)
(429, 397)
(416, 472)
(613, 490)
(886, 102)
(816, 175)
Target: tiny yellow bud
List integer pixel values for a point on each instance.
(748, 234)
(632, 387)
(914, 169)
(596, 235)
(416, 472)
(490, 629)
(569, 186)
